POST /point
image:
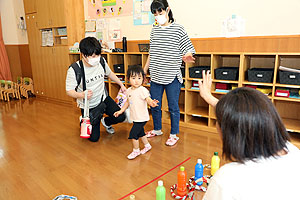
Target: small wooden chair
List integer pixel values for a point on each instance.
(21, 88)
(2, 90)
(9, 90)
(28, 86)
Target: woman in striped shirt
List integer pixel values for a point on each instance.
(169, 45)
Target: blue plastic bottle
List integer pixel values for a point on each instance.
(199, 171)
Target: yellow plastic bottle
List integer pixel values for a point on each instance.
(215, 163)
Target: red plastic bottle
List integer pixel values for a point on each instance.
(181, 185)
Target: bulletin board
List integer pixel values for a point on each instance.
(109, 8)
(141, 12)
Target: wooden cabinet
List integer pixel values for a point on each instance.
(29, 6)
(51, 13)
(50, 63)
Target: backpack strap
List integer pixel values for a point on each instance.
(78, 73)
(83, 75)
(102, 62)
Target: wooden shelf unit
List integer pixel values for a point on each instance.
(194, 111)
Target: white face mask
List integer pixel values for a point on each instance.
(94, 61)
(161, 19)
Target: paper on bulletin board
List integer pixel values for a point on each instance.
(141, 12)
(90, 25)
(114, 24)
(115, 35)
(109, 8)
(100, 24)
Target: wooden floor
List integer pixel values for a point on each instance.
(42, 156)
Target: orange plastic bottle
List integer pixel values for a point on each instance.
(181, 185)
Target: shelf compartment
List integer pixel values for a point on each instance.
(290, 113)
(115, 59)
(224, 60)
(230, 86)
(200, 60)
(195, 105)
(291, 125)
(258, 61)
(133, 59)
(289, 61)
(199, 121)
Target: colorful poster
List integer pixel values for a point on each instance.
(109, 3)
(141, 12)
(109, 8)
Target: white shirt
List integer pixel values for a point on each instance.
(138, 104)
(94, 78)
(267, 179)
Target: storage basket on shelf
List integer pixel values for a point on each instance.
(119, 68)
(286, 77)
(227, 73)
(196, 71)
(144, 47)
(264, 75)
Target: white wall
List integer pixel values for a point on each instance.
(10, 11)
(203, 18)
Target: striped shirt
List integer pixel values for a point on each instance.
(167, 46)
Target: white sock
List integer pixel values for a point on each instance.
(136, 150)
(173, 136)
(147, 145)
(157, 132)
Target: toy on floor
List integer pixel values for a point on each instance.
(215, 163)
(65, 197)
(160, 191)
(192, 185)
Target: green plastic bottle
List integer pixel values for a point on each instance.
(215, 163)
(160, 191)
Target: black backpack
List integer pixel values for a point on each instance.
(79, 73)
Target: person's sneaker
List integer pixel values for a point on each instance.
(172, 141)
(153, 133)
(133, 155)
(146, 149)
(109, 129)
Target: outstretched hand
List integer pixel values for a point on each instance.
(188, 58)
(205, 84)
(205, 89)
(154, 103)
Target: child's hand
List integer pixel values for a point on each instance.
(118, 113)
(154, 103)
